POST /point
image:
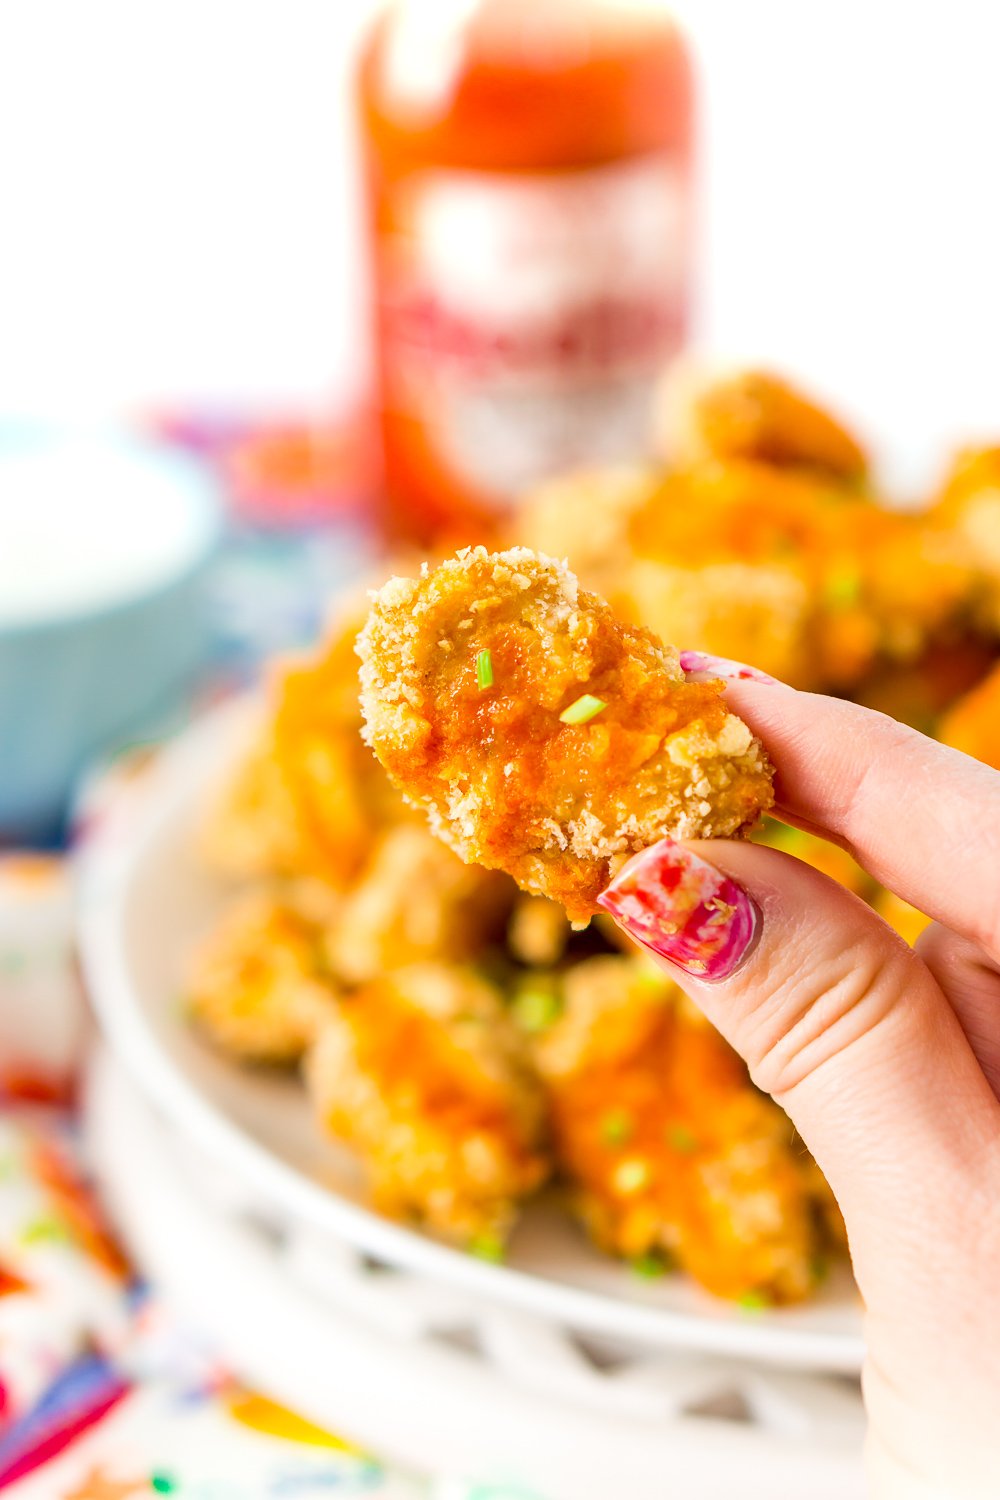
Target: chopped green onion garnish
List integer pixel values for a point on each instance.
(536, 1008)
(650, 1267)
(754, 1301)
(843, 588)
(488, 1247)
(585, 707)
(646, 976)
(682, 1139)
(484, 669)
(820, 1268)
(617, 1127)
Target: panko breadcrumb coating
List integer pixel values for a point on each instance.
(669, 1148)
(550, 521)
(257, 987)
(309, 799)
(424, 1075)
(415, 901)
(586, 743)
(761, 541)
(757, 612)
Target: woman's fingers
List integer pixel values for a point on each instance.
(841, 1022)
(972, 984)
(923, 819)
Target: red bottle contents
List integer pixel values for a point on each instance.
(528, 167)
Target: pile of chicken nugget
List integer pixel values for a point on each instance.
(458, 1035)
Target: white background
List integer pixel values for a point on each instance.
(178, 212)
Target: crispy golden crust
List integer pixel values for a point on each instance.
(310, 798)
(257, 986)
(503, 779)
(783, 567)
(587, 517)
(415, 901)
(669, 1147)
(757, 415)
(424, 1075)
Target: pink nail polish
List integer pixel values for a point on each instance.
(684, 909)
(699, 664)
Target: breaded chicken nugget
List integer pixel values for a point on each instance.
(258, 987)
(819, 583)
(969, 505)
(973, 723)
(670, 1149)
(757, 612)
(970, 501)
(309, 798)
(540, 734)
(538, 931)
(757, 415)
(586, 516)
(424, 1075)
(413, 902)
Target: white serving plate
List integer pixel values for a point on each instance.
(145, 900)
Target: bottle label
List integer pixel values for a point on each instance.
(527, 318)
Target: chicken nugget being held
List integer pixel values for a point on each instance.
(540, 734)
(425, 1076)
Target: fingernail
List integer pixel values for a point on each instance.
(684, 909)
(700, 664)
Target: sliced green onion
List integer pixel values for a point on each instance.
(646, 976)
(843, 588)
(585, 707)
(754, 1301)
(536, 1008)
(617, 1127)
(650, 1267)
(682, 1139)
(484, 669)
(819, 1268)
(488, 1246)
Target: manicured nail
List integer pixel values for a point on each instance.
(684, 909)
(700, 665)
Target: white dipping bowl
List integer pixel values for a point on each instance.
(104, 546)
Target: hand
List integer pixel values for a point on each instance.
(887, 1059)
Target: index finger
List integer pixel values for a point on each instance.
(920, 817)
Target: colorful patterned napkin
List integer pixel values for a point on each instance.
(103, 1396)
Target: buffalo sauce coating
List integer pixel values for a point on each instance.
(504, 780)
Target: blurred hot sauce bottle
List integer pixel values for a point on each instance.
(529, 175)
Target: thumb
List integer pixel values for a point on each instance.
(844, 1025)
